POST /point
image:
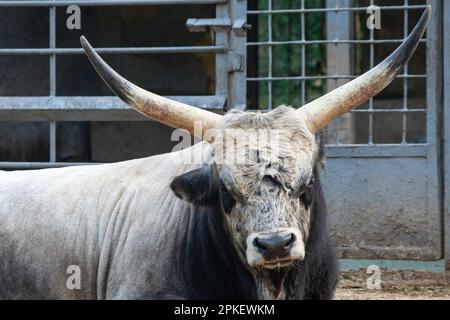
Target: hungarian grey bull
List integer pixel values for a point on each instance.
(244, 223)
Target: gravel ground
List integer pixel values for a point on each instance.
(395, 285)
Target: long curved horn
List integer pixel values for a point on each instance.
(169, 112)
(325, 109)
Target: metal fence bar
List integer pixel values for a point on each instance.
(52, 79)
(52, 140)
(52, 45)
(369, 111)
(319, 10)
(372, 63)
(269, 59)
(62, 3)
(434, 99)
(136, 50)
(446, 133)
(303, 37)
(405, 112)
(376, 151)
(327, 41)
(221, 39)
(331, 151)
(238, 51)
(88, 108)
(336, 70)
(401, 76)
(405, 80)
(40, 165)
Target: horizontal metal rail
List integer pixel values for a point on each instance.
(330, 41)
(401, 76)
(87, 108)
(335, 9)
(92, 3)
(376, 151)
(371, 111)
(131, 50)
(41, 165)
(331, 151)
(388, 110)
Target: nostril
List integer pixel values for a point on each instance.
(290, 241)
(259, 245)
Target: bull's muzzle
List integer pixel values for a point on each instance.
(272, 250)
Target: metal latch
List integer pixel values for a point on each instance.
(235, 62)
(239, 26)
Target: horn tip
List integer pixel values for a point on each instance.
(427, 12)
(83, 41)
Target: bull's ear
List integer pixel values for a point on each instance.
(196, 186)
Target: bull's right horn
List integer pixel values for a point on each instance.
(169, 112)
(325, 109)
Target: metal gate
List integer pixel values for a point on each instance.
(229, 37)
(383, 175)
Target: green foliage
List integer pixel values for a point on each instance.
(287, 58)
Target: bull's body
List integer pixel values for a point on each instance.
(130, 236)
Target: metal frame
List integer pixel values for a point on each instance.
(229, 49)
(96, 3)
(377, 154)
(340, 60)
(434, 115)
(446, 135)
(331, 10)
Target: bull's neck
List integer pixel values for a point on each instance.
(208, 263)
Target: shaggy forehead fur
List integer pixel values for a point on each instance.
(276, 144)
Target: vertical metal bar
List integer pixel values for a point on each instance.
(434, 63)
(221, 39)
(303, 38)
(336, 70)
(52, 45)
(446, 129)
(238, 46)
(405, 73)
(52, 79)
(269, 56)
(340, 28)
(52, 142)
(372, 64)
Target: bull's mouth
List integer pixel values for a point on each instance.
(270, 282)
(278, 264)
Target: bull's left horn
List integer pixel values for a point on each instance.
(325, 109)
(169, 112)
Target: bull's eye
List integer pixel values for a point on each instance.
(306, 195)
(226, 200)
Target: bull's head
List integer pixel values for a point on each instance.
(265, 192)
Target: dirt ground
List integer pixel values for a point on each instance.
(395, 285)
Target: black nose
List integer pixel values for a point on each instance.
(275, 246)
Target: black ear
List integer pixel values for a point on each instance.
(196, 186)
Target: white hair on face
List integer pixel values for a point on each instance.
(290, 161)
